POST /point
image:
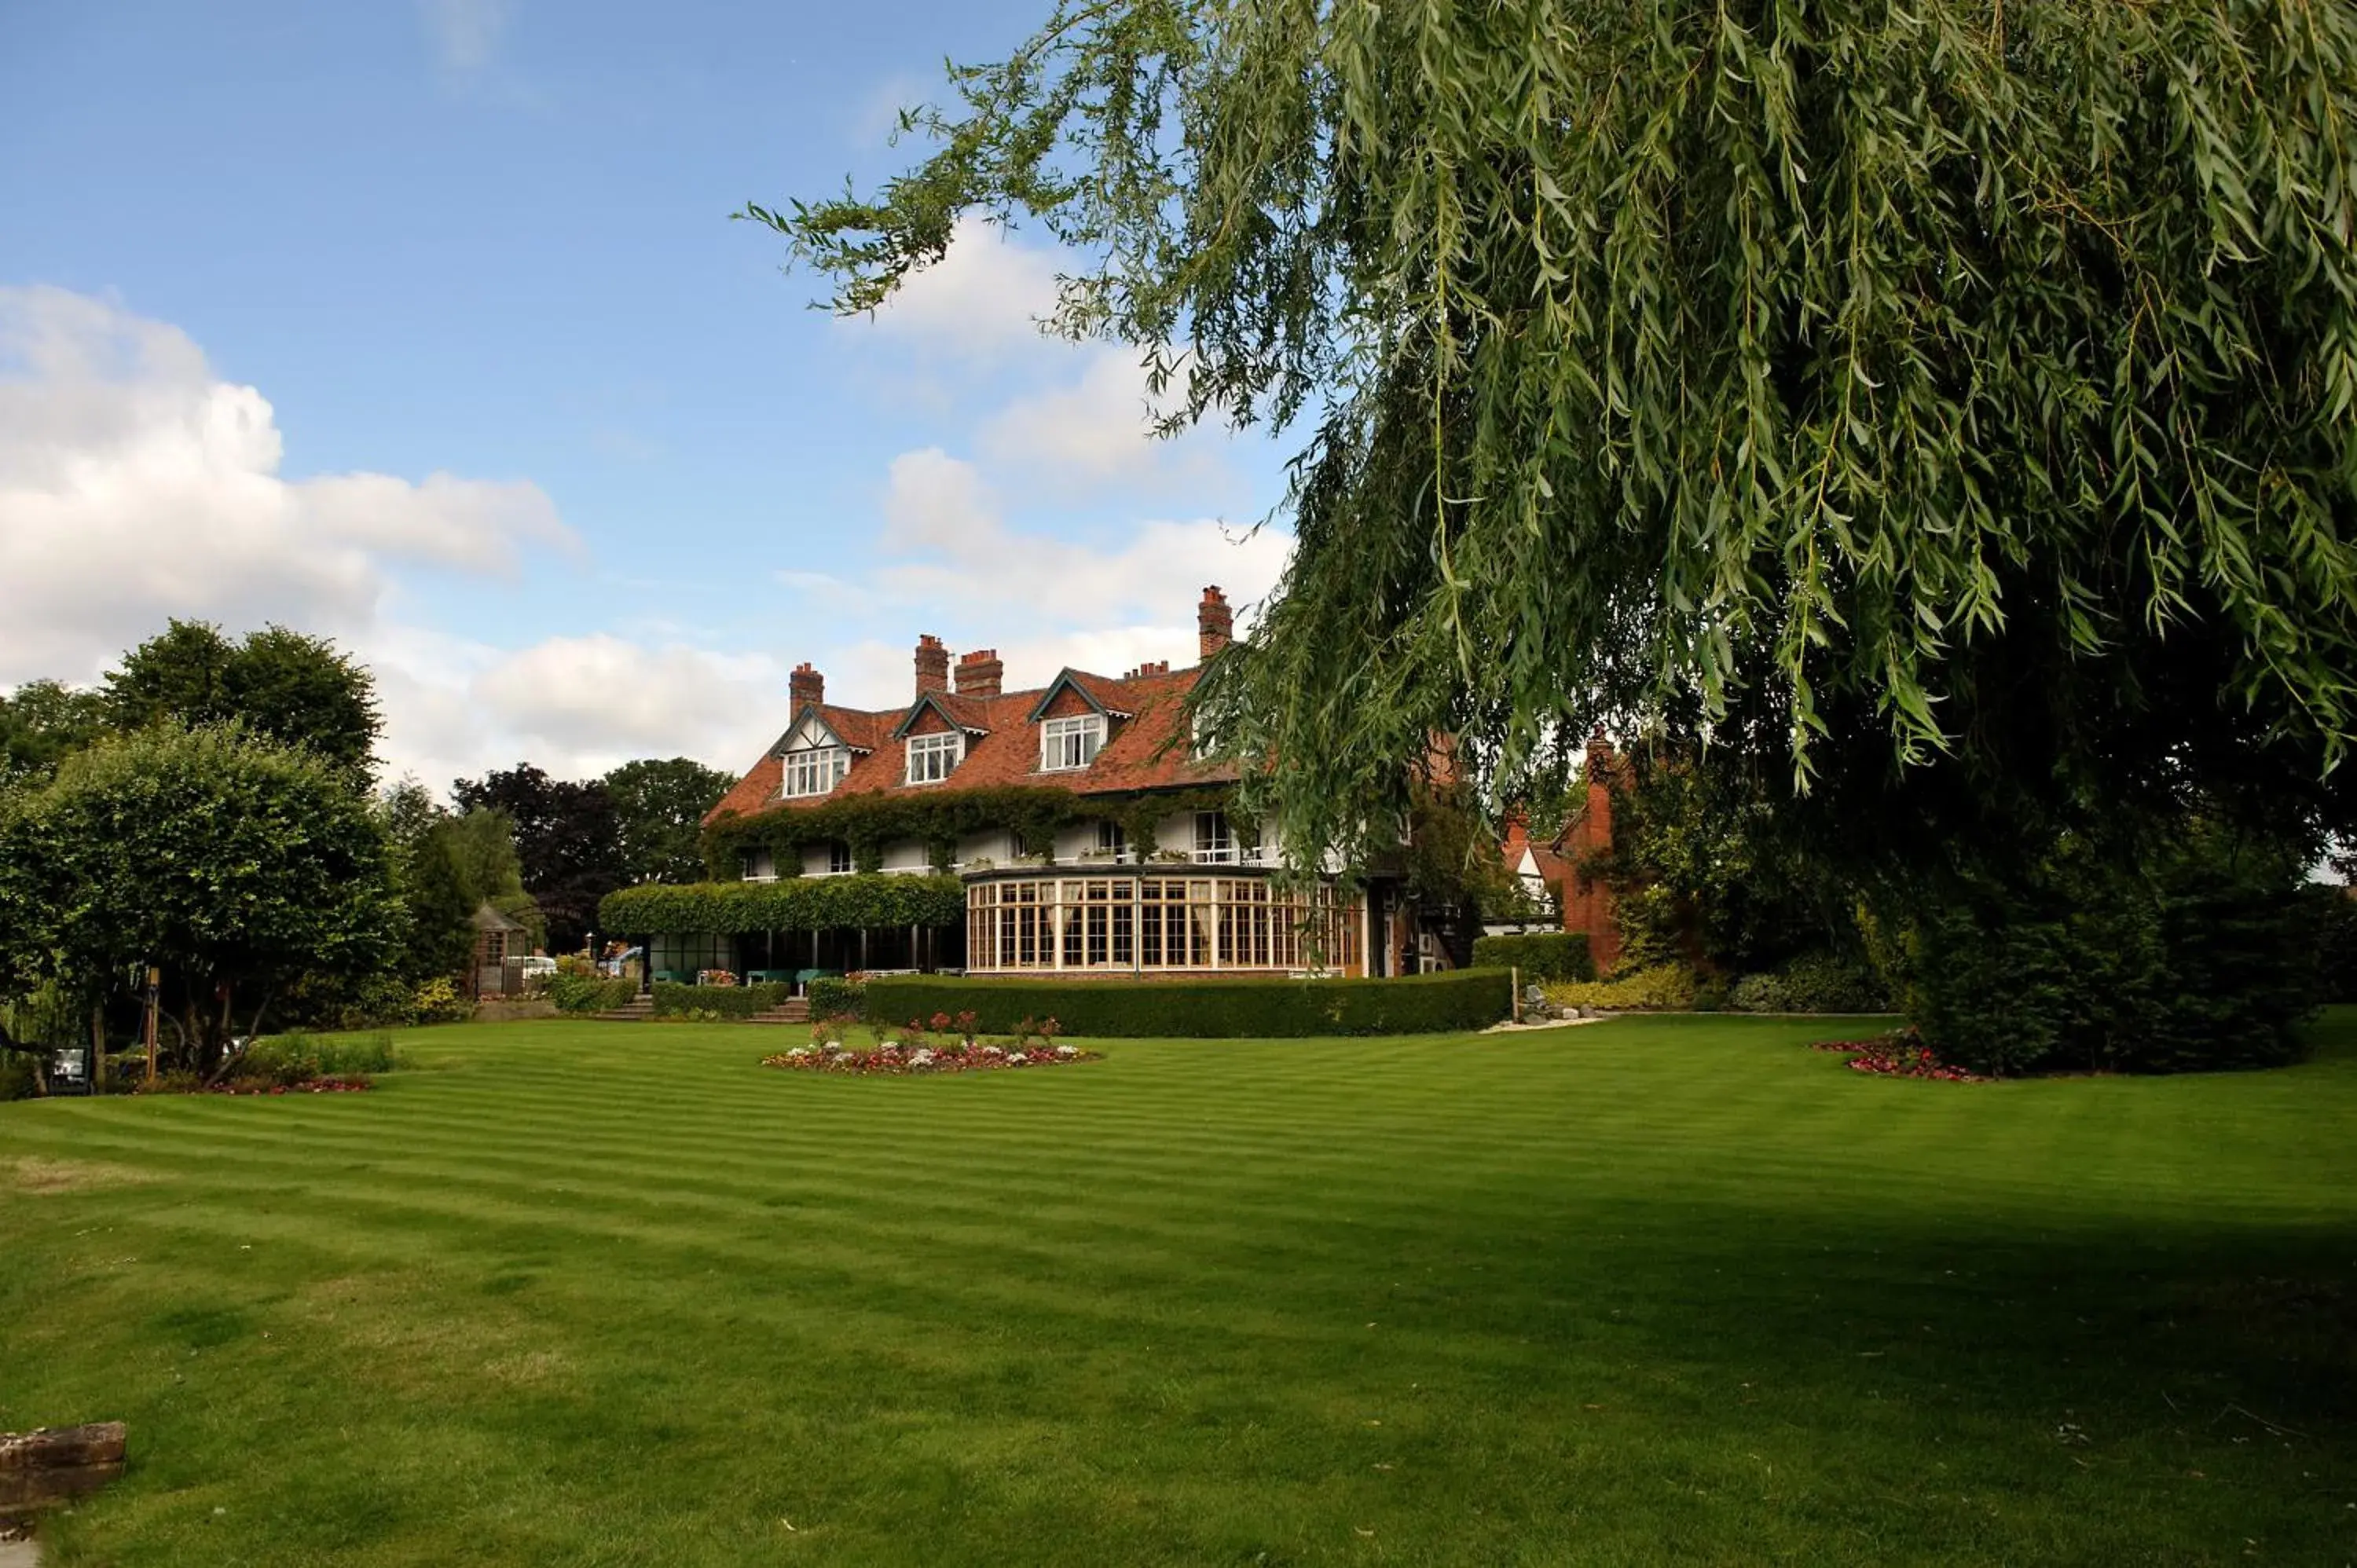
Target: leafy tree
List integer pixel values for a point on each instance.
(567, 836)
(660, 806)
(1945, 407)
(234, 863)
(281, 684)
(40, 723)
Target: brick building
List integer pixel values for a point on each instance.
(1140, 869)
(1555, 865)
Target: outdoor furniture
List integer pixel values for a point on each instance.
(770, 976)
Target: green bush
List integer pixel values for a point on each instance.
(1813, 982)
(1209, 1008)
(834, 996)
(701, 1003)
(795, 904)
(17, 1079)
(1663, 988)
(1539, 955)
(2339, 923)
(589, 993)
(296, 1058)
(2204, 959)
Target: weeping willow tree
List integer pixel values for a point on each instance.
(1942, 408)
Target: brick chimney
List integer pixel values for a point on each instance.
(805, 686)
(980, 673)
(932, 665)
(1215, 624)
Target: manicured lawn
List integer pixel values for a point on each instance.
(1658, 1291)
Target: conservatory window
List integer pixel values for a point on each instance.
(1070, 743)
(932, 758)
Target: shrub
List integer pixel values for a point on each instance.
(2340, 944)
(833, 996)
(285, 1059)
(2205, 958)
(1212, 1007)
(588, 993)
(438, 1001)
(17, 1079)
(1813, 982)
(1539, 955)
(1663, 988)
(296, 1058)
(713, 1003)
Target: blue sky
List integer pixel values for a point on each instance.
(422, 324)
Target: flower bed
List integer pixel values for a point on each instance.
(314, 1086)
(1900, 1054)
(895, 1060)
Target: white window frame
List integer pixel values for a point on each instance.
(815, 770)
(1215, 839)
(840, 861)
(1068, 745)
(934, 757)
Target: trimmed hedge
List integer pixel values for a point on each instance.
(1539, 955)
(1212, 1008)
(871, 901)
(588, 993)
(673, 999)
(834, 996)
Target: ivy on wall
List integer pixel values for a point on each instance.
(817, 904)
(868, 822)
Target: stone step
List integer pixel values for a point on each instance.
(630, 1011)
(796, 1011)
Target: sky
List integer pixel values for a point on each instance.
(421, 325)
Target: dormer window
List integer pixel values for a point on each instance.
(816, 771)
(1066, 743)
(932, 757)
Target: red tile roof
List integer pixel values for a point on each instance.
(1146, 751)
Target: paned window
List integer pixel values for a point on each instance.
(816, 771)
(932, 757)
(838, 858)
(1111, 838)
(1070, 743)
(1214, 842)
(1158, 924)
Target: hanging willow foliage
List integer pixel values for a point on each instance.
(1947, 401)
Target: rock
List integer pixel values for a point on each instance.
(56, 1464)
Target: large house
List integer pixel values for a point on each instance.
(1088, 835)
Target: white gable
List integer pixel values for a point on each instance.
(811, 734)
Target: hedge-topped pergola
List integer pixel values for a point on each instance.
(861, 902)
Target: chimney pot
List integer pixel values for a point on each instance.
(932, 665)
(1215, 623)
(980, 673)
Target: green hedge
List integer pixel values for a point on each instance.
(1207, 1008)
(1539, 955)
(673, 999)
(796, 904)
(834, 996)
(587, 993)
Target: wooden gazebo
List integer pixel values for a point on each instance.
(497, 938)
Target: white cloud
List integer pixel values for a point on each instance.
(986, 295)
(134, 487)
(956, 568)
(601, 700)
(466, 33)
